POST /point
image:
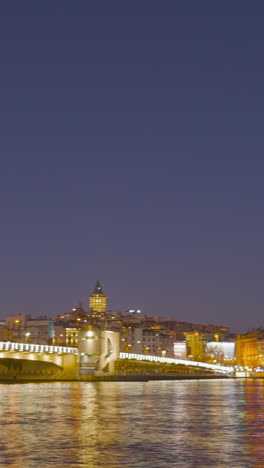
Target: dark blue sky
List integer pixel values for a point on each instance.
(131, 143)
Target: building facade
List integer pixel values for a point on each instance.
(250, 349)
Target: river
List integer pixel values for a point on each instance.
(199, 423)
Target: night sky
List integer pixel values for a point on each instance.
(131, 143)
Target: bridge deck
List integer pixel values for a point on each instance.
(36, 348)
(185, 362)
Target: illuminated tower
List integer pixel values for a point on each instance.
(98, 300)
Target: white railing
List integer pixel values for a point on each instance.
(185, 362)
(36, 348)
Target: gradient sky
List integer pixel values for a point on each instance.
(131, 145)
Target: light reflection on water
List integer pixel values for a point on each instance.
(204, 423)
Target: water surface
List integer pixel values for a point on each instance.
(214, 423)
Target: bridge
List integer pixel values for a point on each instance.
(218, 368)
(37, 362)
(98, 354)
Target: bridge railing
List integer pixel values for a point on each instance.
(36, 348)
(185, 362)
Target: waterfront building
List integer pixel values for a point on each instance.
(39, 330)
(195, 346)
(23, 328)
(250, 349)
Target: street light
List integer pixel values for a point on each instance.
(27, 335)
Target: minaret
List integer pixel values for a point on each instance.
(98, 300)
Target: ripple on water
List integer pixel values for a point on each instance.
(214, 423)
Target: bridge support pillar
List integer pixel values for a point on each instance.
(98, 351)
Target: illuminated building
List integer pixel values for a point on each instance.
(72, 336)
(97, 301)
(250, 349)
(195, 345)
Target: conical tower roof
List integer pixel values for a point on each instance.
(98, 288)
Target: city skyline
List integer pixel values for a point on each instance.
(96, 304)
(132, 151)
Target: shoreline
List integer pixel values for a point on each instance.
(113, 378)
